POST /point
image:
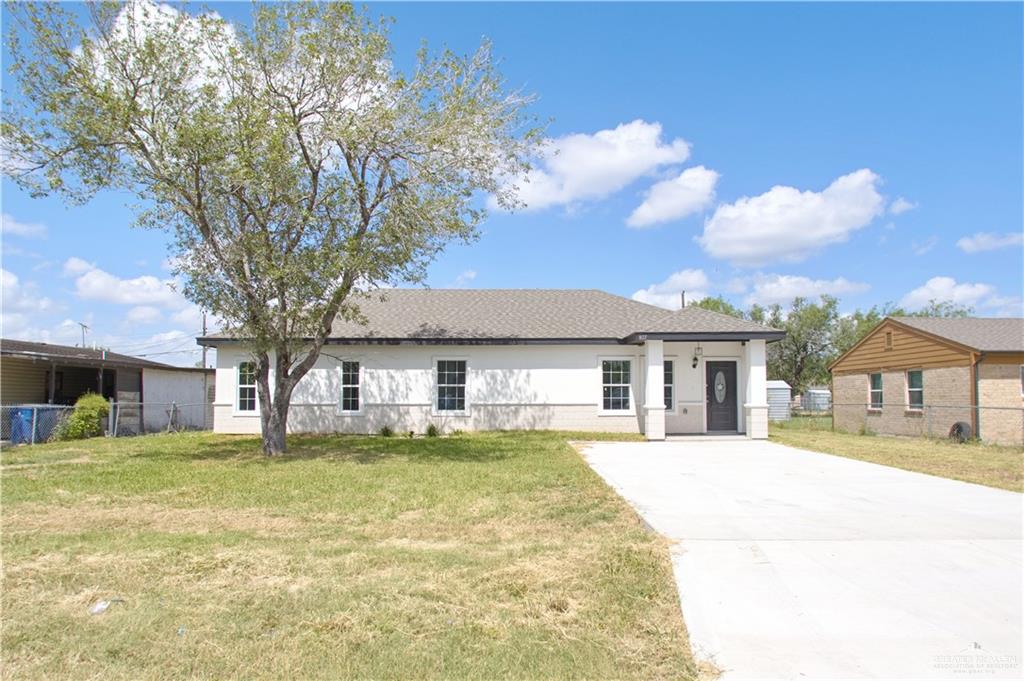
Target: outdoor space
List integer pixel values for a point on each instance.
(472, 556)
(976, 462)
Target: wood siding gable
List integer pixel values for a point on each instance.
(911, 349)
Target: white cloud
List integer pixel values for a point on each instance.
(788, 224)
(12, 227)
(74, 266)
(667, 294)
(464, 278)
(946, 289)
(989, 241)
(901, 205)
(143, 314)
(692, 191)
(581, 167)
(22, 297)
(783, 288)
(922, 247)
(93, 283)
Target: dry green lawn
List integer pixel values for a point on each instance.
(482, 556)
(990, 465)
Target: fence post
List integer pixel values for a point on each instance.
(110, 419)
(35, 420)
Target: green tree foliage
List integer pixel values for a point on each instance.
(719, 304)
(295, 167)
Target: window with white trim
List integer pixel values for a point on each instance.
(451, 385)
(350, 386)
(875, 390)
(247, 386)
(669, 386)
(915, 389)
(615, 381)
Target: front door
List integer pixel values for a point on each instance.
(721, 396)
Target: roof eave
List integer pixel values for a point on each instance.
(767, 335)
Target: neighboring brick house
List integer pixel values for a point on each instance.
(922, 375)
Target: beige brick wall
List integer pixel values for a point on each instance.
(946, 399)
(999, 385)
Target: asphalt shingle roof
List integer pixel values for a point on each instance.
(535, 314)
(987, 334)
(67, 353)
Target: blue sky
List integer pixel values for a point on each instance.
(873, 151)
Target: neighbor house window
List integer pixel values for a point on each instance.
(451, 385)
(1021, 379)
(350, 386)
(669, 386)
(615, 384)
(915, 389)
(876, 391)
(247, 386)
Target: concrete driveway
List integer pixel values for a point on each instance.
(793, 564)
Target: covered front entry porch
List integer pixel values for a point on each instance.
(704, 386)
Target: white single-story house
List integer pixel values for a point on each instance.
(517, 359)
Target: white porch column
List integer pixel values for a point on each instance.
(654, 399)
(755, 409)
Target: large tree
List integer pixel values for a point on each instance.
(294, 164)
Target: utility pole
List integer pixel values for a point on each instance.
(84, 329)
(204, 335)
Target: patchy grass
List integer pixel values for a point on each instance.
(496, 555)
(990, 465)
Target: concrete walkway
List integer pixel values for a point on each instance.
(793, 564)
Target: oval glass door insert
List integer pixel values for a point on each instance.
(720, 387)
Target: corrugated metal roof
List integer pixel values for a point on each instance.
(987, 334)
(526, 314)
(67, 353)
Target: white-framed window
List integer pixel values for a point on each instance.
(875, 391)
(915, 389)
(451, 385)
(615, 384)
(246, 387)
(350, 384)
(670, 387)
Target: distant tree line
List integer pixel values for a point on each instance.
(816, 332)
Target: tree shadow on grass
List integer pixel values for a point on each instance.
(362, 449)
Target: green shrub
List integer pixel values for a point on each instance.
(432, 431)
(386, 431)
(85, 421)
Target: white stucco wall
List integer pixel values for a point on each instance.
(507, 386)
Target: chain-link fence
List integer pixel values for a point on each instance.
(995, 425)
(38, 423)
(137, 418)
(31, 423)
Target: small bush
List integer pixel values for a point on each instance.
(85, 421)
(432, 431)
(411, 434)
(386, 431)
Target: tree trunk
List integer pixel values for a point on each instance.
(274, 404)
(274, 421)
(273, 409)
